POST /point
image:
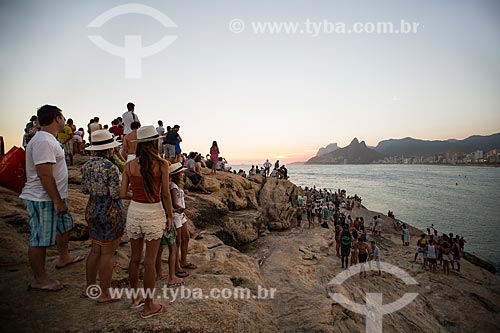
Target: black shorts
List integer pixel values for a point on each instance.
(431, 260)
(345, 251)
(194, 178)
(362, 257)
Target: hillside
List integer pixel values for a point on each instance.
(415, 147)
(329, 148)
(355, 153)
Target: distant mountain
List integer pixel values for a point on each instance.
(325, 150)
(355, 153)
(416, 147)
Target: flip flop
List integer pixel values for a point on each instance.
(74, 261)
(138, 305)
(182, 274)
(160, 311)
(190, 266)
(48, 287)
(173, 285)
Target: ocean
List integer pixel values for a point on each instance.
(458, 199)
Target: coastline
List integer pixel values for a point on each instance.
(298, 262)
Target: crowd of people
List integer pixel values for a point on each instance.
(330, 209)
(443, 250)
(150, 170)
(279, 172)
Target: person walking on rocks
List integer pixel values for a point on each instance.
(363, 252)
(44, 197)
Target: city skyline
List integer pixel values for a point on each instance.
(260, 94)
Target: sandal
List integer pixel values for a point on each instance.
(189, 266)
(138, 305)
(182, 274)
(176, 284)
(160, 310)
(73, 261)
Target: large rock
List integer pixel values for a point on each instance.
(277, 199)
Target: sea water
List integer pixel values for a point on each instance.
(458, 199)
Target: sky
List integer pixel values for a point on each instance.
(261, 95)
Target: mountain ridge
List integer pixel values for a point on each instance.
(355, 153)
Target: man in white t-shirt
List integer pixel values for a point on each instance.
(128, 118)
(161, 132)
(267, 167)
(376, 256)
(44, 197)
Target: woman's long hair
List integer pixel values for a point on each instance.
(148, 157)
(178, 180)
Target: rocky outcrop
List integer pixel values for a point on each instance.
(298, 262)
(240, 209)
(277, 199)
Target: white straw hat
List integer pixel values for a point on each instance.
(175, 168)
(102, 140)
(147, 133)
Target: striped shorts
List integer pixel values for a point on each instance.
(44, 223)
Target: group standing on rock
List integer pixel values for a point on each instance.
(330, 209)
(156, 216)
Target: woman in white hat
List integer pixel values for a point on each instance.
(104, 214)
(180, 218)
(148, 177)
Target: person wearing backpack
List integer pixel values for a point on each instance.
(345, 246)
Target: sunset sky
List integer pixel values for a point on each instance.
(259, 94)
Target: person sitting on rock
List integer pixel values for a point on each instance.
(197, 179)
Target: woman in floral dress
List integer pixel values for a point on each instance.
(104, 214)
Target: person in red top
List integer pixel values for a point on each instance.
(116, 130)
(148, 176)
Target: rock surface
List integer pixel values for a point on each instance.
(297, 261)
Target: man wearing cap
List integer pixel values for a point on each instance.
(44, 197)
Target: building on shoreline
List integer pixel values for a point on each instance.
(477, 157)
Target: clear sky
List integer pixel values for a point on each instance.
(260, 95)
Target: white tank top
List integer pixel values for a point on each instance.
(431, 252)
